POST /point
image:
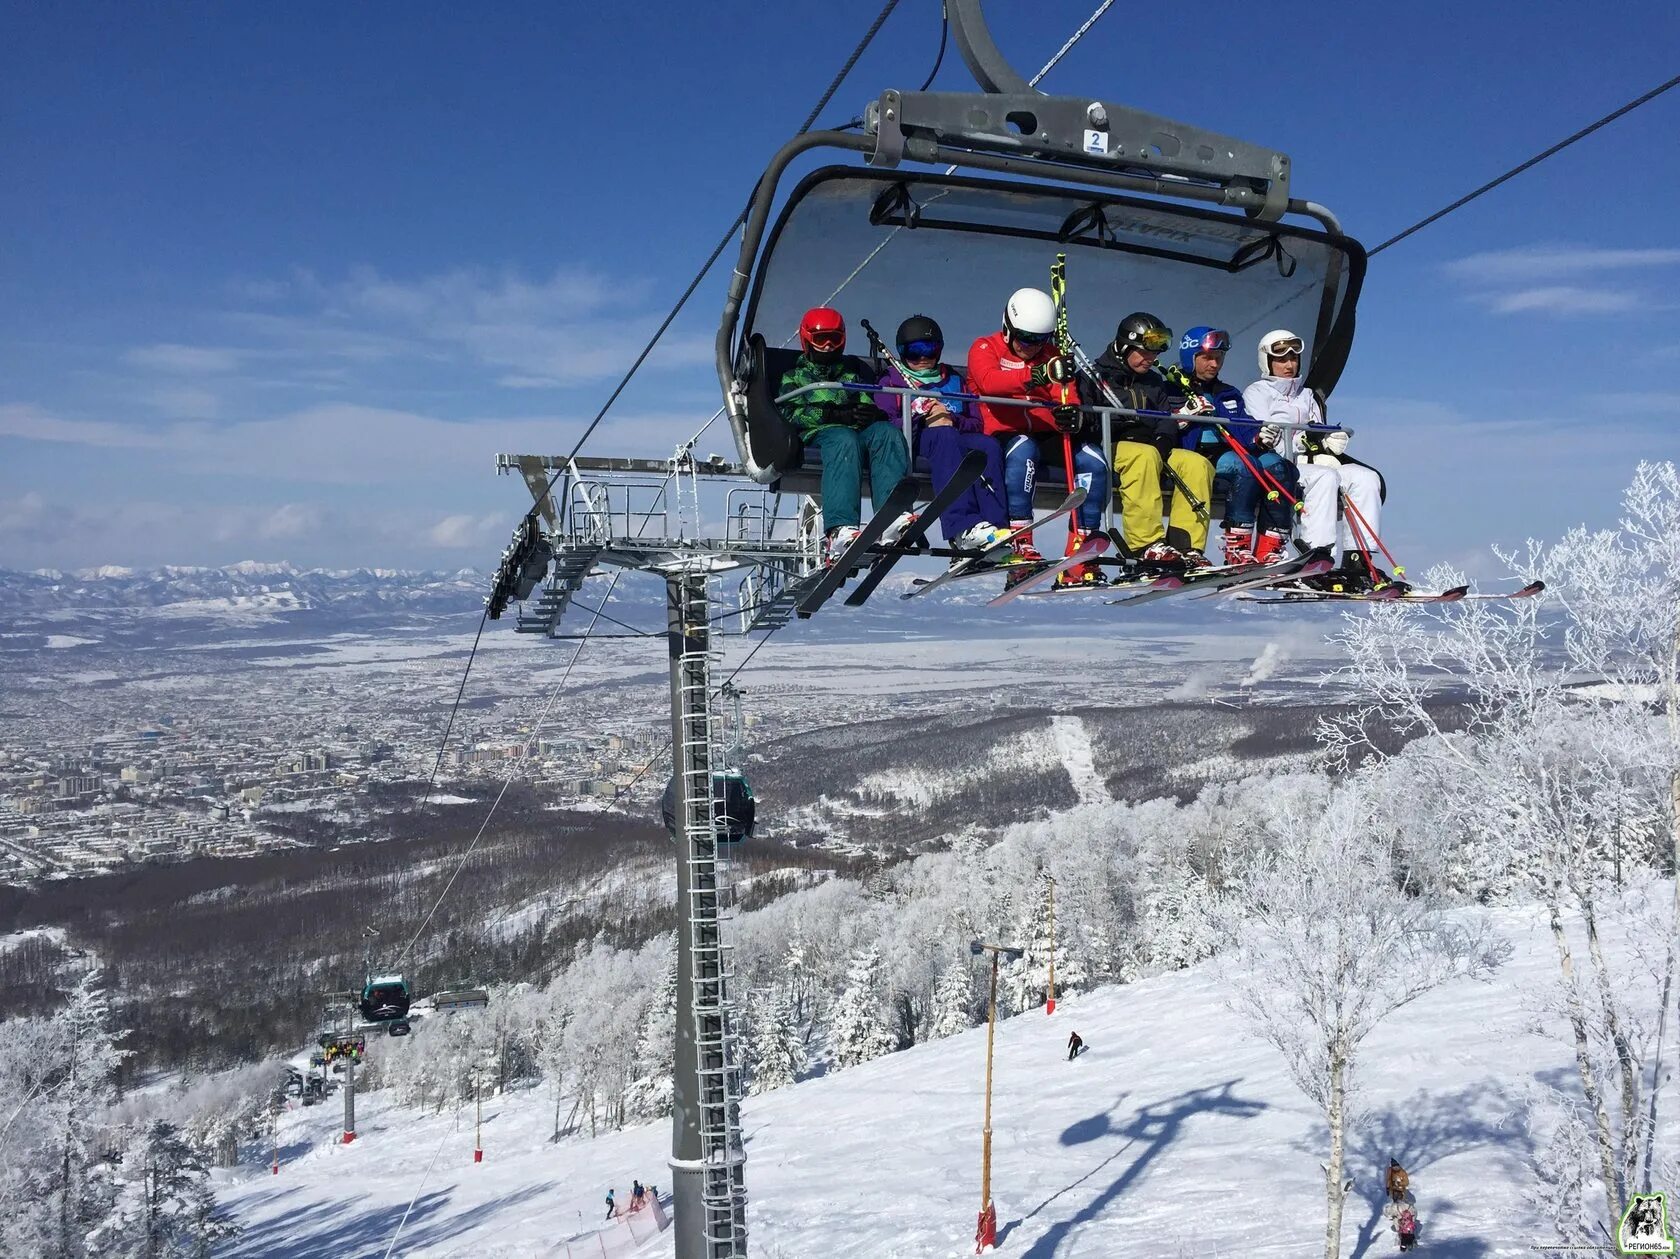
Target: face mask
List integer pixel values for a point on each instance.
(923, 376)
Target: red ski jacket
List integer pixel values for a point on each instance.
(994, 368)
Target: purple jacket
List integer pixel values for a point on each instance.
(950, 383)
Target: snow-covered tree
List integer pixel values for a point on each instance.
(953, 999)
(776, 1048)
(656, 1049)
(1330, 940)
(162, 1204)
(857, 1028)
(1542, 778)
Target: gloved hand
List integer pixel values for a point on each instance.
(1068, 419)
(1055, 368)
(1267, 437)
(1196, 404)
(858, 414)
(1337, 443)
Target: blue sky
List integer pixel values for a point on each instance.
(279, 281)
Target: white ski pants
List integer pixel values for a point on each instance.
(1320, 488)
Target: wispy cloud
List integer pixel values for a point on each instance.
(1562, 279)
(1534, 263)
(186, 360)
(32, 423)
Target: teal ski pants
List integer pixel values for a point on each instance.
(843, 452)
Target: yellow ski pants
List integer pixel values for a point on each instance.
(1137, 476)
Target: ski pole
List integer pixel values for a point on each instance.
(1058, 294)
(1356, 514)
(1359, 541)
(1274, 486)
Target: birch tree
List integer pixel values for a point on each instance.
(1330, 939)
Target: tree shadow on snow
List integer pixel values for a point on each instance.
(334, 1228)
(1154, 1127)
(1420, 1132)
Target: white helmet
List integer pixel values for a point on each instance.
(1269, 344)
(1030, 311)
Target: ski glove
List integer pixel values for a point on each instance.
(1067, 419)
(1267, 437)
(1057, 369)
(1337, 443)
(858, 414)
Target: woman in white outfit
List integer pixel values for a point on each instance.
(1280, 397)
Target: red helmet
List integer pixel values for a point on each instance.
(822, 330)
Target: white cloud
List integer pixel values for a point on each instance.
(291, 521)
(189, 360)
(1531, 264)
(463, 530)
(1562, 279)
(1565, 299)
(186, 402)
(33, 424)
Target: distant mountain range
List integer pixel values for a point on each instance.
(248, 587)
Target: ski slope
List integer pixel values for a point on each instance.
(1176, 1133)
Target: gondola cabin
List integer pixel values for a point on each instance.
(734, 807)
(385, 998)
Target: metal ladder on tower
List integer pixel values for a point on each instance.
(722, 1154)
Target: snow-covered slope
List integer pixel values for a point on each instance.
(1175, 1134)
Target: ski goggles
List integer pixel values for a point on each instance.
(825, 339)
(1285, 347)
(921, 349)
(1026, 340)
(1215, 342)
(1152, 340)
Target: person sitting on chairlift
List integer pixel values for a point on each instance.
(846, 428)
(945, 429)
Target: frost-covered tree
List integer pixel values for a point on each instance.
(857, 1030)
(162, 1204)
(1330, 939)
(656, 1048)
(1542, 779)
(953, 999)
(776, 1047)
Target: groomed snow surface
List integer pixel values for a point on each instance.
(1176, 1133)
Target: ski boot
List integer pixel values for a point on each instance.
(1269, 545)
(1024, 557)
(893, 532)
(982, 541)
(1080, 575)
(1194, 559)
(1238, 541)
(1161, 558)
(835, 542)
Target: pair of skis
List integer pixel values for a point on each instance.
(1393, 594)
(868, 540)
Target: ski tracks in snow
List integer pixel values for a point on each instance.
(1073, 745)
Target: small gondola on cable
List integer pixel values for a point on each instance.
(385, 999)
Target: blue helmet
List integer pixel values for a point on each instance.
(1199, 339)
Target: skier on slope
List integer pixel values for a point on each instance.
(1022, 361)
(846, 428)
(610, 1204)
(1255, 527)
(946, 429)
(1327, 471)
(1075, 1044)
(1144, 444)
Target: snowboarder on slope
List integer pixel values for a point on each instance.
(1255, 527)
(1327, 471)
(1142, 445)
(1075, 1044)
(945, 430)
(1022, 361)
(845, 427)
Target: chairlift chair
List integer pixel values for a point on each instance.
(385, 998)
(1152, 214)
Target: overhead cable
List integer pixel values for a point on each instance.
(1557, 148)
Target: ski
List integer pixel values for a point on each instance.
(1227, 578)
(979, 565)
(1453, 594)
(967, 473)
(1092, 547)
(901, 500)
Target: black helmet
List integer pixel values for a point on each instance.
(1142, 331)
(918, 328)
